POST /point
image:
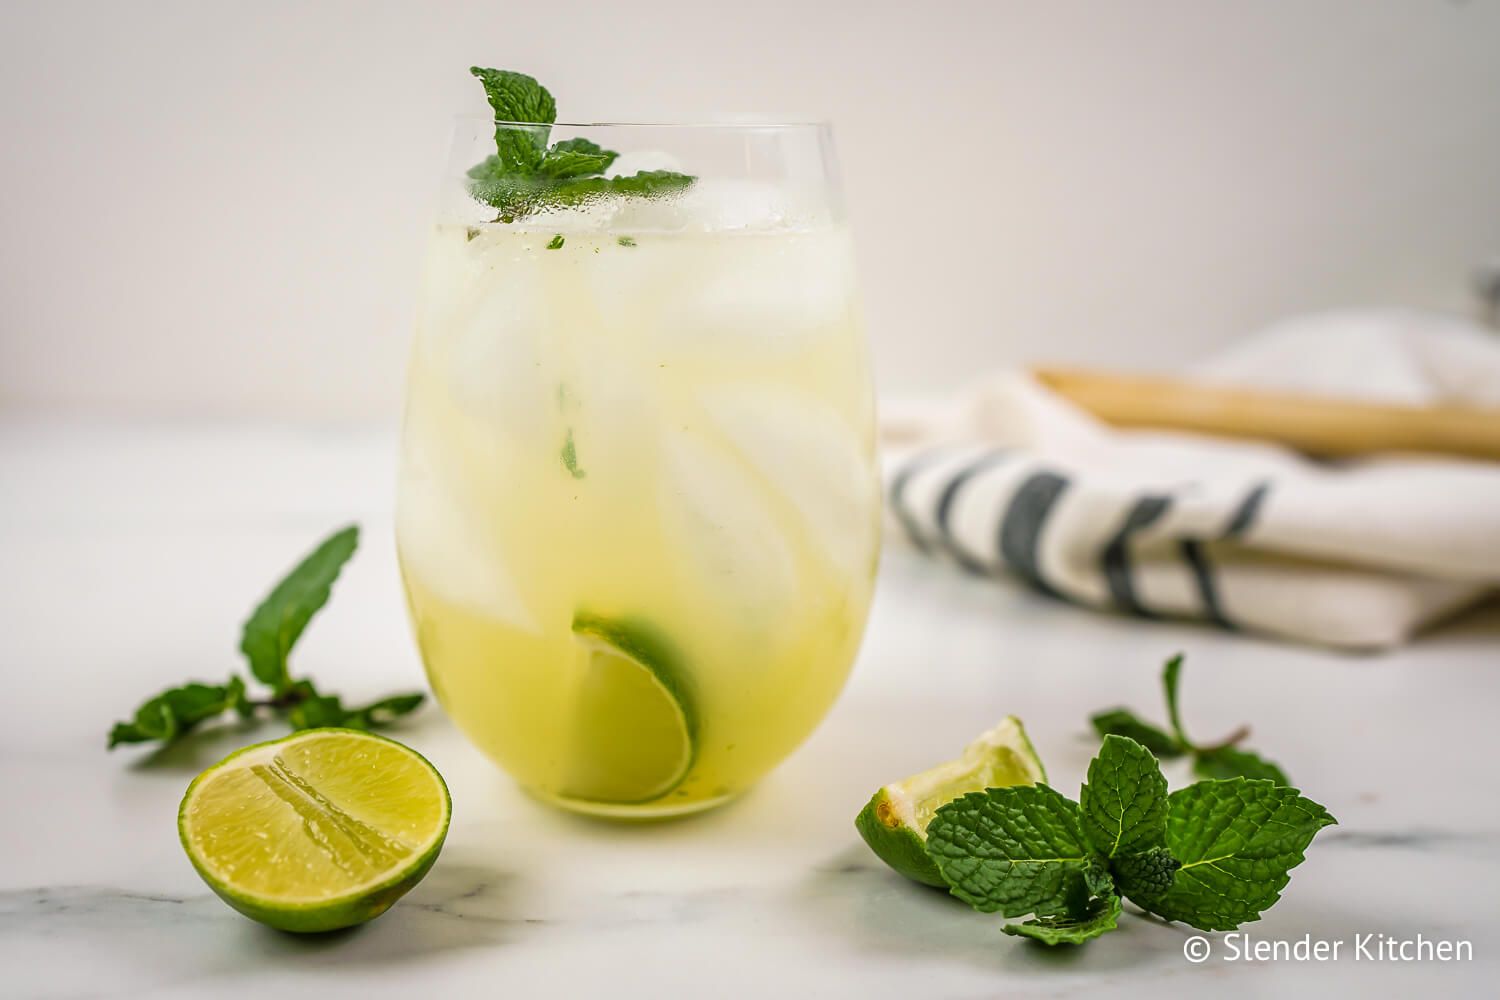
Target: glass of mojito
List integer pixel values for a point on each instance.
(638, 510)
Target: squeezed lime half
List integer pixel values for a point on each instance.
(894, 821)
(634, 730)
(323, 829)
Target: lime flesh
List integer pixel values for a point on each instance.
(894, 821)
(323, 829)
(633, 726)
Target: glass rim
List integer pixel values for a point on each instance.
(750, 123)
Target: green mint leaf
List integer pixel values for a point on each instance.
(1230, 762)
(1171, 676)
(1102, 916)
(317, 710)
(570, 457)
(1236, 841)
(514, 196)
(576, 158)
(239, 700)
(1122, 722)
(556, 242)
(1123, 805)
(585, 146)
(650, 183)
(1097, 881)
(276, 625)
(625, 241)
(587, 190)
(384, 711)
(517, 98)
(1013, 850)
(1145, 874)
(177, 710)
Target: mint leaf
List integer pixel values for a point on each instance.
(1123, 805)
(317, 710)
(1122, 722)
(1102, 916)
(1230, 762)
(649, 183)
(576, 158)
(1236, 841)
(556, 242)
(1220, 760)
(276, 625)
(1013, 850)
(1171, 675)
(569, 456)
(1097, 881)
(514, 195)
(384, 711)
(518, 197)
(1145, 874)
(518, 99)
(239, 700)
(177, 710)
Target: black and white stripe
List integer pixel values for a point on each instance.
(1019, 498)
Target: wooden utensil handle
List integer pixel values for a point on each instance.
(1312, 424)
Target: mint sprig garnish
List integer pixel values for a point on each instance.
(525, 176)
(267, 641)
(1214, 855)
(1224, 759)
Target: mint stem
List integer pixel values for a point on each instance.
(1233, 739)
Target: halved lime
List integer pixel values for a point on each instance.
(894, 822)
(634, 731)
(323, 829)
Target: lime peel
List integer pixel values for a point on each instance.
(894, 821)
(635, 725)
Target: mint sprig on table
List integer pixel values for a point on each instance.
(525, 176)
(1213, 855)
(1224, 759)
(267, 641)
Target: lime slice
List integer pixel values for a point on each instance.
(634, 731)
(323, 829)
(894, 822)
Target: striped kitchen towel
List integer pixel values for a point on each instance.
(1359, 554)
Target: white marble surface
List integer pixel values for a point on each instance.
(129, 556)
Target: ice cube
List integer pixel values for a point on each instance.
(722, 533)
(443, 542)
(494, 351)
(813, 457)
(766, 299)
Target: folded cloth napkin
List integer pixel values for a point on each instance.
(1357, 554)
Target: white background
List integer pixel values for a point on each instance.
(218, 209)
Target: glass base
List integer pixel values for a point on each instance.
(642, 811)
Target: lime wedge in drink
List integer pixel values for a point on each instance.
(633, 727)
(894, 822)
(323, 829)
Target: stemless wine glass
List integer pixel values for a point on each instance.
(638, 512)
